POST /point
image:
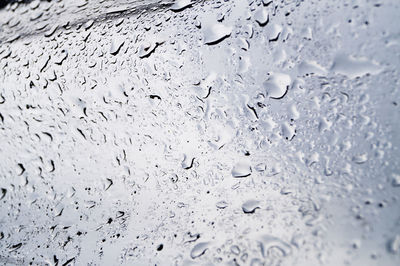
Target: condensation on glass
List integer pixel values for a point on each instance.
(240, 132)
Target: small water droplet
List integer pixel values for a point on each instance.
(267, 243)
(180, 5)
(116, 45)
(360, 158)
(199, 249)
(394, 244)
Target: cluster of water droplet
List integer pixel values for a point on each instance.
(243, 132)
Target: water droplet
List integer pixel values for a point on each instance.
(3, 193)
(360, 158)
(261, 16)
(354, 67)
(187, 162)
(250, 206)
(51, 31)
(277, 85)
(199, 249)
(222, 204)
(324, 124)
(88, 24)
(396, 180)
(306, 33)
(244, 64)
(267, 243)
(288, 131)
(235, 250)
(180, 5)
(116, 45)
(34, 4)
(311, 68)
(215, 33)
(293, 112)
(394, 244)
(146, 48)
(273, 32)
(241, 169)
(261, 167)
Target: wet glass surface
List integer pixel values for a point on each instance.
(240, 132)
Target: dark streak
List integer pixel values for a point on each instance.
(69, 261)
(278, 98)
(253, 109)
(191, 165)
(111, 183)
(208, 94)
(22, 168)
(80, 131)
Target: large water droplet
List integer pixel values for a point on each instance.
(354, 67)
(261, 16)
(216, 33)
(277, 85)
